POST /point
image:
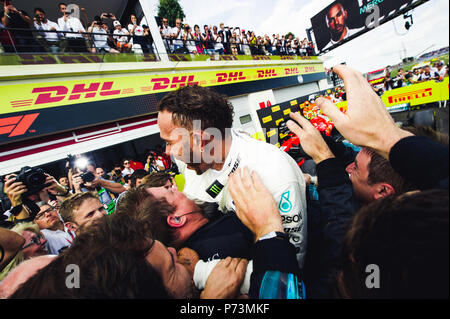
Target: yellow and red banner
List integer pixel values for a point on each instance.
(33, 96)
(417, 94)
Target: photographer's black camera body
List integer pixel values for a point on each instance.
(33, 178)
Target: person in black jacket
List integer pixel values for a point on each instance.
(419, 160)
(185, 224)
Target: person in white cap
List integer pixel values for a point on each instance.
(121, 35)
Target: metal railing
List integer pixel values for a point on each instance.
(195, 46)
(19, 41)
(14, 40)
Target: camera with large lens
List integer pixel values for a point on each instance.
(33, 178)
(87, 177)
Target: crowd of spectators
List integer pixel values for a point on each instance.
(69, 34)
(107, 34)
(183, 38)
(367, 218)
(436, 71)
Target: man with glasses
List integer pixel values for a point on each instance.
(34, 245)
(166, 32)
(35, 242)
(177, 35)
(127, 168)
(52, 226)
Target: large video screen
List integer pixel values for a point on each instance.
(344, 20)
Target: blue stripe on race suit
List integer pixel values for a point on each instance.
(278, 285)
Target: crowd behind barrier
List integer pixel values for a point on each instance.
(184, 38)
(21, 33)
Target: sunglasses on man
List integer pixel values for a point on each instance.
(36, 240)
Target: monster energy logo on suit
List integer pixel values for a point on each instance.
(215, 189)
(219, 183)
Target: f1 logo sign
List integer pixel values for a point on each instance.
(17, 125)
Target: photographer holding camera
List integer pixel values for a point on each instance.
(101, 41)
(208, 40)
(178, 35)
(85, 180)
(152, 165)
(31, 185)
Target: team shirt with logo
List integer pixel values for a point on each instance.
(279, 173)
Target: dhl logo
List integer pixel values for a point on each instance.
(230, 77)
(410, 96)
(213, 57)
(310, 69)
(291, 71)
(266, 73)
(53, 94)
(261, 57)
(173, 83)
(17, 125)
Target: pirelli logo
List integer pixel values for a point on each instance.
(405, 97)
(17, 125)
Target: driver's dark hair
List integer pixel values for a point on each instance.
(111, 257)
(194, 102)
(407, 237)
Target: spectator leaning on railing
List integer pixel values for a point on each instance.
(101, 41)
(42, 23)
(22, 40)
(177, 36)
(208, 40)
(121, 36)
(139, 34)
(67, 23)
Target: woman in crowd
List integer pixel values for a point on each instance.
(189, 40)
(198, 38)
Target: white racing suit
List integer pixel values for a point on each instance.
(279, 173)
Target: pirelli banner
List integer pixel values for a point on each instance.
(415, 95)
(32, 109)
(418, 94)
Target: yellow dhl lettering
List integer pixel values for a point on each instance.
(267, 119)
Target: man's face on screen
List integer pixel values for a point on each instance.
(336, 21)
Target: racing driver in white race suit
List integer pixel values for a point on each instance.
(207, 181)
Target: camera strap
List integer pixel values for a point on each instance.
(32, 207)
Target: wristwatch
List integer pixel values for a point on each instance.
(16, 209)
(274, 234)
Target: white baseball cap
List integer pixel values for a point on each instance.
(116, 23)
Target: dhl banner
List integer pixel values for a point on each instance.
(33, 109)
(53, 94)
